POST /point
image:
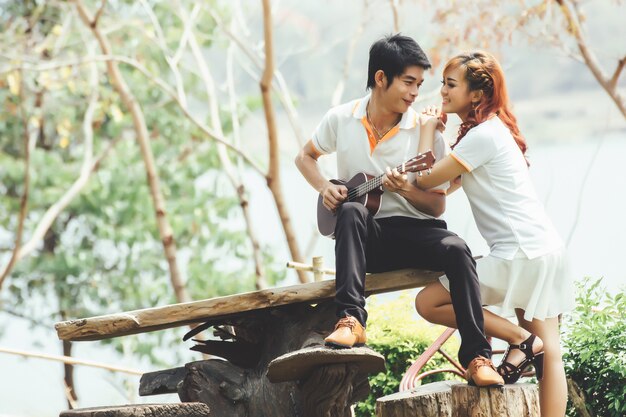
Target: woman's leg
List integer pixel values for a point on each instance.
(553, 387)
(434, 304)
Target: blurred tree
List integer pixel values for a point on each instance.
(91, 241)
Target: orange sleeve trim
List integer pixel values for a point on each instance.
(462, 162)
(317, 151)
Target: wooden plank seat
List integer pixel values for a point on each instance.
(221, 308)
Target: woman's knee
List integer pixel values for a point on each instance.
(424, 304)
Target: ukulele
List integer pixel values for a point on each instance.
(367, 190)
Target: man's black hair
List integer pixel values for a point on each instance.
(393, 54)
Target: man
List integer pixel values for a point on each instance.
(370, 135)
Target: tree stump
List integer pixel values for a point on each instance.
(143, 410)
(429, 400)
(516, 400)
(330, 379)
(239, 387)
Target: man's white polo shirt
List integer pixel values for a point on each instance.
(345, 130)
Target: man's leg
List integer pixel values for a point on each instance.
(355, 228)
(460, 268)
(436, 248)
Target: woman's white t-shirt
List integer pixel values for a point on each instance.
(506, 208)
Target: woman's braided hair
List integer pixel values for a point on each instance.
(483, 72)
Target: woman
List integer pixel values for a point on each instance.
(526, 269)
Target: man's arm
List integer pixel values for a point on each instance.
(306, 161)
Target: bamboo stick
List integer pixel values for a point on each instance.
(70, 360)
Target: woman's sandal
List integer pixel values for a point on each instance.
(511, 373)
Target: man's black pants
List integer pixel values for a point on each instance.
(364, 244)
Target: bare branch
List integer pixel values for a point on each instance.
(338, 93)
(94, 23)
(231, 173)
(394, 11)
(141, 130)
(571, 14)
(582, 190)
(89, 166)
(281, 91)
(617, 73)
(173, 64)
(28, 140)
(54, 210)
(157, 81)
(273, 175)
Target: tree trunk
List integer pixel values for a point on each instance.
(68, 370)
(516, 400)
(577, 397)
(427, 400)
(456, 399)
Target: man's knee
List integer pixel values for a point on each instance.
(351, 211)
(456, 249)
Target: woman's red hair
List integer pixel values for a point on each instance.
(483, 72)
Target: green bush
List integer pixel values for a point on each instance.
(595, 349)
(395, 331)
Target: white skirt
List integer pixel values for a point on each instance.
(543, 287)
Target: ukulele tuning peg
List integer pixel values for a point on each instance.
(429, 171)
(419, 173)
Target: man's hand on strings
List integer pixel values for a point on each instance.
(333, 195)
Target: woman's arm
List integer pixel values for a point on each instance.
(455, 184)
(443, 171)
(448, 169)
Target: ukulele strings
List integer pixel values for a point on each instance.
(368, 186)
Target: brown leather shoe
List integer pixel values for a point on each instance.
(348, 333)
(482, 373)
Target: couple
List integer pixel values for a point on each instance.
(526, 269)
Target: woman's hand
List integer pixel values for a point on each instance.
(394, 181)
(432, 117)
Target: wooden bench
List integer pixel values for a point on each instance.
(262, 335)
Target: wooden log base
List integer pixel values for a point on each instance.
(143, 410)
(457, 399)
(516, 400)
(427, 400)
(330, 390)
(300, 364)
